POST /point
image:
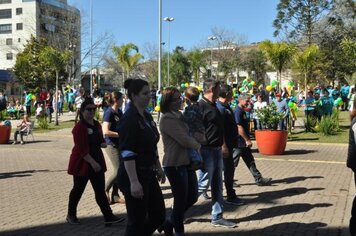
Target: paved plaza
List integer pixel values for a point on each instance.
(311, 193)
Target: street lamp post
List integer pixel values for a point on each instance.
(159, 41)
(211, 38)
(169, 20)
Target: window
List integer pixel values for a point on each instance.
(5, 14)
(9, 56)
(5, 1)
(19, 40)
(18, 11)
(5, 29)
(9, 41)
(19, 26)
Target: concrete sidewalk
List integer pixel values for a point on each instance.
(311, 193)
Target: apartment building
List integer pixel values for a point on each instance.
(54, 20)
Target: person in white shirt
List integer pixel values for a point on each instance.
(258, 105)
(78, 102)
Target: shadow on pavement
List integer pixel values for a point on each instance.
(270, 197)
(265, 213)
(24, 173)
(94, 226)
(298, 152)
(294, 179)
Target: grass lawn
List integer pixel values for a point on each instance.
(53, 127)
(341, 136)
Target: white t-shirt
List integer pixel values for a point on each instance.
(258, 105)
(78, 101)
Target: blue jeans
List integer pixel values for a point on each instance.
(211, 174)
(185, 193)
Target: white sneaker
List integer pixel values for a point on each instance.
(22, 142)
(15, 142)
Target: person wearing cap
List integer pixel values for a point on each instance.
(282, 106)
(244, 141)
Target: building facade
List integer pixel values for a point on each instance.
(53, 20)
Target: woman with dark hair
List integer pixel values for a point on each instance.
(176, 143)
(140, 169)
(351, 163)
(87, 163)
(111, 119)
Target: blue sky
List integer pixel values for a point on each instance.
(136, 21)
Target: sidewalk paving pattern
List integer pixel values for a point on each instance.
(311, 193)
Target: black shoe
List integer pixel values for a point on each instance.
(72, 220)
(263, 181)
(234, 201)
(114, 219)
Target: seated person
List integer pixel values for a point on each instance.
(22, 129)
(11, 110)
(19, 108)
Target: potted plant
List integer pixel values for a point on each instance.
(270, 141)
(5, 131)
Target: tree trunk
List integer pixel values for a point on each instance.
(56, 104)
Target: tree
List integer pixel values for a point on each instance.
(198, 59)
(297, 18)
(279, 54)
(348, 48)
(256, 61)
(28, 68)
(56, 61)
(180, 65)
(127, 56)
(305, 61)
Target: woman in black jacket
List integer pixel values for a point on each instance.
(351, 163)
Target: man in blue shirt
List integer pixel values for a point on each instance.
(282, 107)
(244, 142)
(345, 90)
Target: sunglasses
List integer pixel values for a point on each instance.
(90, 109)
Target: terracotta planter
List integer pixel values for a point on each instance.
(5, 132)
(271, 142)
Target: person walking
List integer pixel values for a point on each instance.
(176, 144)
(351, 163)
(87, 163)
(78, 102)
(211, 173)
(244, 142)
(140, 169)
(111, 120)
(230, 142)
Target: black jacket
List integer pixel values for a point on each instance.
(351, 155)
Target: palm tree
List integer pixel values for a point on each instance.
(127, 56)
(279, 54)
(197, 60)
(305, 60)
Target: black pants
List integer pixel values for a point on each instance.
(144, 215)
(97, 181)
(353, 215)
(249, 160)
(229, 170)
(184, 185)
(17, 132)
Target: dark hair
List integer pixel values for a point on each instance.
(87, 101)
(167, 98)
(192, 94)
(114, 96)
(209, 83)
(224, 90)
(134, 86)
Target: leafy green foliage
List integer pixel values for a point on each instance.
(269, 116)
(311, 124)
(297, 19)
(179, 67)
(198, 59)
(128, 56)
(256, 61)
(42, 122)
